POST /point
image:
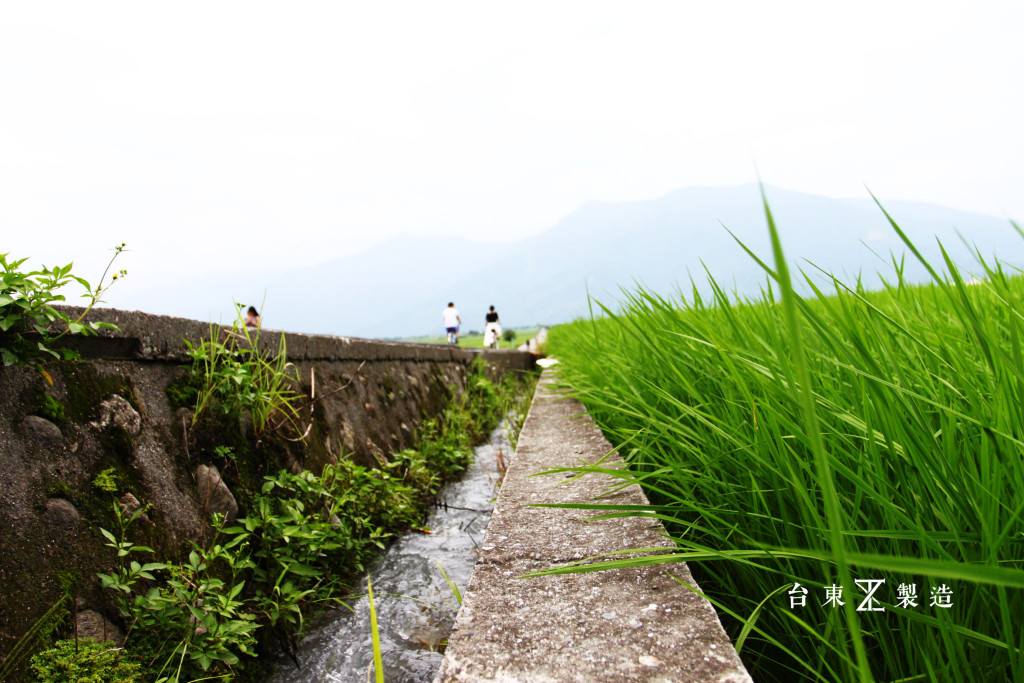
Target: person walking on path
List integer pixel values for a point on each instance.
(451, 319)
(492, 332)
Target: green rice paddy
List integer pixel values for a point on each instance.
(831, 441)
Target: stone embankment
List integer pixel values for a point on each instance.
(636, 624)
(108, 428)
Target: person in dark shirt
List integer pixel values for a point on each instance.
(492, 332)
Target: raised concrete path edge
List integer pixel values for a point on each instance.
(632, 624)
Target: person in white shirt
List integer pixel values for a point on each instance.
(451, 319)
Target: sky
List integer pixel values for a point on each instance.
(229, 136)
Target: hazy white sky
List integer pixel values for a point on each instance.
(215, 136)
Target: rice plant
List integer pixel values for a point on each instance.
(378, 663)
(802, 448)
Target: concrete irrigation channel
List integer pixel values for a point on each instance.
(414, 603)
(635, 624)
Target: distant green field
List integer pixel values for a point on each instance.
(477, 340)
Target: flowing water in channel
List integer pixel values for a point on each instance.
(414, 625)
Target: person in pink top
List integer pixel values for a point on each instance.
(252, 317)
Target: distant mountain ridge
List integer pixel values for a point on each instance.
(399, 288)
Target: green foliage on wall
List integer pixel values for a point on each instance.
(30, 323)
(84, 661)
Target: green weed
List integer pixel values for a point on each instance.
(235, 377)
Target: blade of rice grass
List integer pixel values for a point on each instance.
(378, 662)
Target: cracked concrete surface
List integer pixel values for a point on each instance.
(635, 624)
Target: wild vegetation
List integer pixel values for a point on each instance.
(799, 446)
(303, 537)
(30, 324)
(234, 376)
(300, 540)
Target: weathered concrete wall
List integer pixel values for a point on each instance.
(371, 398)
(631, 624)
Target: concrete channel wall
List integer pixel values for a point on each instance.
(636, 624)
(114, 411)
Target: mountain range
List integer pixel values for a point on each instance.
(398, 289)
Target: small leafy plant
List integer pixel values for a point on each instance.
(27, 314)
(195, 610)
